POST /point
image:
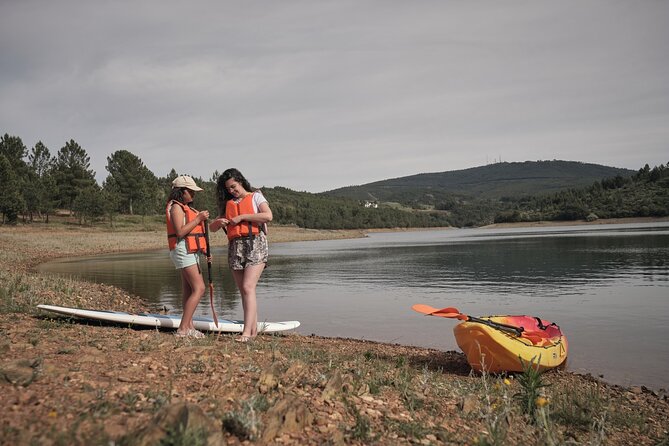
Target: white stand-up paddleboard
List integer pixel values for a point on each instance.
(167, 321)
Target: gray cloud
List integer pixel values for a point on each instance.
(319, 95)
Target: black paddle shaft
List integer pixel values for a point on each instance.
(508, 328)
(206, 241)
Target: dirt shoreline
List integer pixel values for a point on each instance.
(64, 381)
(603, 221)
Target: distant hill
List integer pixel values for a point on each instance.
(492, 181)
(501, 193)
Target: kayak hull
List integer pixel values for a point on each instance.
(494, 351)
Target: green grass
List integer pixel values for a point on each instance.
(577, 407)
(531, 384)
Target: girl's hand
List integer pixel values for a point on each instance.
(218, 223)
(203, 215)
(236, 220)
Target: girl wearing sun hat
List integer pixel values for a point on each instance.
(186, 240)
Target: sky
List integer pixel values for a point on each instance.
(316, 95)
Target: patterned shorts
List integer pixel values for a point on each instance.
(246, 251)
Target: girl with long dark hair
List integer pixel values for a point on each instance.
(243, 213)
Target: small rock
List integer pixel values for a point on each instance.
(295, 371)
(363, 390)
(269, 379)
(129, 379)
(469, 404)
(180, 417)
(5, 345)
(288, 416)
(337, 438)
(333, 387)
(21, 372)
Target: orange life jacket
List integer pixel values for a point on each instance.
(195, 239)
(246, 229)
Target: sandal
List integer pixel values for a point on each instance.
(244, 338)
(191, 333)
(196, 333)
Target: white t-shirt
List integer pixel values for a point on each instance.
(258, 199)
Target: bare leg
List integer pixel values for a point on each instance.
(193, 289)
(246, 281)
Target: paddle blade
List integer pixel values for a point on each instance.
(449, 312)
(422, 308)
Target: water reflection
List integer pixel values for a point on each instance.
(549, 266)
(606, 286)
(150, 275)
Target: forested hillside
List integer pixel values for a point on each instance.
(319, 212)
(493, 181)
(36, 184)
(644, 194)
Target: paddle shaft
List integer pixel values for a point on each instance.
(452, 312)
(211, 284)
(518, 331)
(206, 241)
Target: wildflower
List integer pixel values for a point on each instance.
(507, 381)
(541, 401)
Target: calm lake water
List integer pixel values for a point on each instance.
(606, 286)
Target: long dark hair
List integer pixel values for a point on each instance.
(222, 194)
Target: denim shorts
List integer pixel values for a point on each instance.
(247, 251)
(180, 256)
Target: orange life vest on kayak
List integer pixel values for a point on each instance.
(195, 240)
(245, 229)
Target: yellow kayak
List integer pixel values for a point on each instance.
(493, 350)
(505, 343)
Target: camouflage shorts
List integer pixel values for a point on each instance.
(246, 251)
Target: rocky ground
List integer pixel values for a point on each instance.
(65, 381)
